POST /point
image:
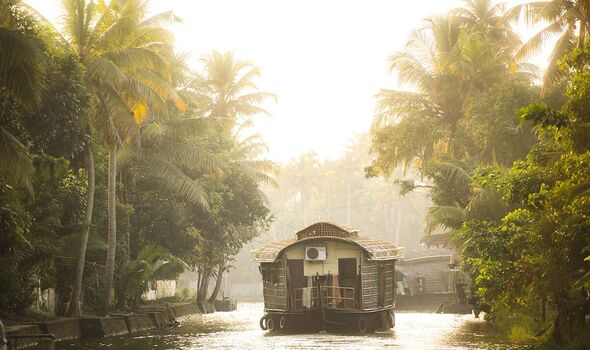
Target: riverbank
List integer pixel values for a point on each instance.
(240, 330)
(145, 318)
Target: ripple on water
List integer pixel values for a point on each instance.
(240, 330)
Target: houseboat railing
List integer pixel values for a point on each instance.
(338, 297)
(298, 298)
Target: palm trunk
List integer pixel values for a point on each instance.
(74, 308)
(112, 231)
(217, 283)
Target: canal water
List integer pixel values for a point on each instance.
(240, 330)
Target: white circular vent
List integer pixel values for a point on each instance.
(312, 253)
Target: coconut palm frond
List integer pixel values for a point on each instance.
(255, 97)
(21, 57)
(125, 155)
(453, 173)
(537, 41)
(190, 155)
(411, 71)
(153, 36)
(119, 114)
(152, 263)
(173, 179)
(78, 17)
(527, 10)
(154, 131)
(169, 270)
(187, 127)
(392, 103)
(160, 87)
(160, 19)
(444, 217)
(101, 69)
(136, 57)
(246, 81)
(112, 36)
(259, 171)
(565, 44)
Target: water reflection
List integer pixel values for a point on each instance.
(239, 330)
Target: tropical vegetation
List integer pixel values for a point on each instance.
(119, 164)
(502, 153)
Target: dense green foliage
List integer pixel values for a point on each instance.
(513, 193)
(35, 232)
(105, 130)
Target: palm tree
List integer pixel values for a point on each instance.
(227, 87)
(227, 90)
(471, 203)
(246, 157)
(568, 19)
(230, 96)
(445, 65)
(436, 94)
(152, 263)
(126, 57)
(487, 17)
(21, 56)
(171, 154)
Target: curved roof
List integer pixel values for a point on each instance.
(376, 249)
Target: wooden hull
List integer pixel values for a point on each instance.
(316, 320)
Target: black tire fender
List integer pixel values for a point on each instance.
(270, 324)
(263, 321)
(363, 324)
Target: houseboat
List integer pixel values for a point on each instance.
(328, 277)
(430, 278)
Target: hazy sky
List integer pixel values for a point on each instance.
(325, 59)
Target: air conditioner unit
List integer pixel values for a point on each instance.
(315, 253)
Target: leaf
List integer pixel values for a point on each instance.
(444, 217)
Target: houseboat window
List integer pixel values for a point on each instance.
(347, 272)
(296, 274)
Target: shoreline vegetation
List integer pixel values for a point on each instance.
(120, 164)
(123, 161)
(503, 153)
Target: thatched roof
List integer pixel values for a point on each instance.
(376, 249)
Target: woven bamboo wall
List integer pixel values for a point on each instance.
(369, 284)
(274, 285)
(389, 267)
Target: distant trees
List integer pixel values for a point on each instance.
(335, 190)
